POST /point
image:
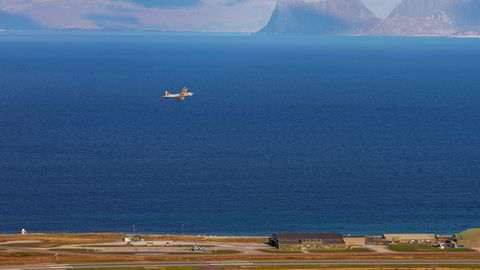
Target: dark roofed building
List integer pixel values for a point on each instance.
(306, 240)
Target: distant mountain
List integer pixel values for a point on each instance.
(136, 15)
(431, 17)
(322, 17)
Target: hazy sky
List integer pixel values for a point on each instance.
(168, 15)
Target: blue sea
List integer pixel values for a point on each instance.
(358, 135)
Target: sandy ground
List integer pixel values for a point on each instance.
(378, 248)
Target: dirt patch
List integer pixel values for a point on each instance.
(54, 240)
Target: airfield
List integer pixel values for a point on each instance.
(83, 251)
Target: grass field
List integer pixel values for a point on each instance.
(93, 252)
(32, 257)
(52, 240)
(356, 250)
(204, 246)
(129, 246)
(45, 251)
(344, 250)
(218, 252)
(346, 267)
(27, 245)
(425, 248)
(75, 250)
(205, 238)
(278, 251)
(151, 268)
(338, 267)
(226, 251)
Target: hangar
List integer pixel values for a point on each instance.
(306, 240)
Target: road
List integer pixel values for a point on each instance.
(241, 263)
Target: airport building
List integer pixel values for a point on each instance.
(410, 238)
(303, 241)
(354, 241)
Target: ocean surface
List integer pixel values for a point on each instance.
(358, 135)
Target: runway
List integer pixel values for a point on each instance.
(242, 263)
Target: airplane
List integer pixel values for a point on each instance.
(179, 97)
